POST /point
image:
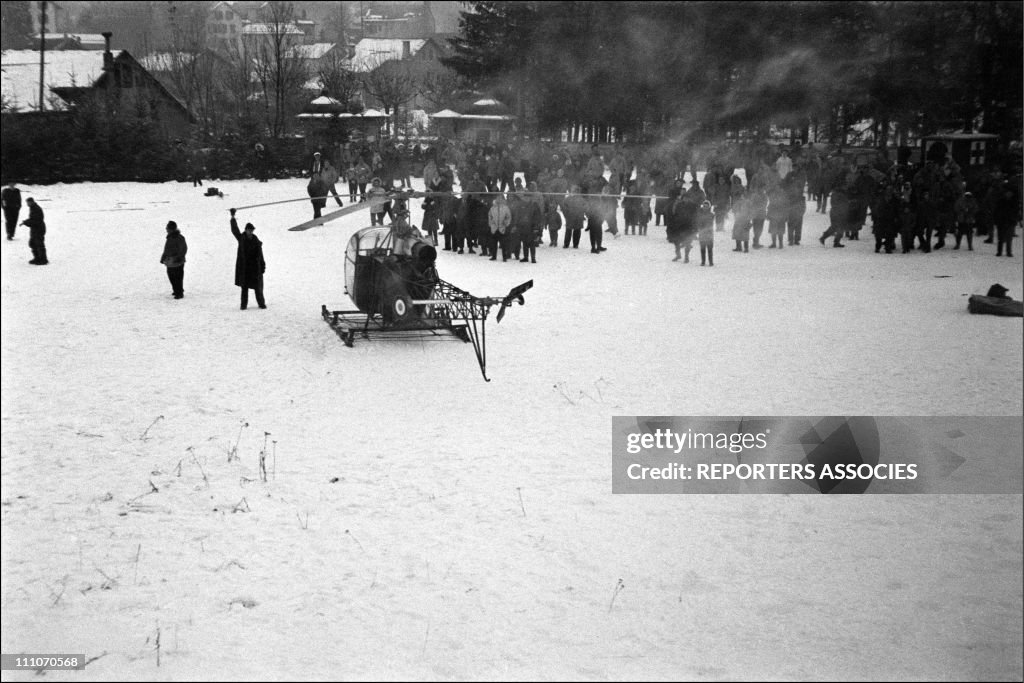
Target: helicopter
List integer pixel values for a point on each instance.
(390, 275)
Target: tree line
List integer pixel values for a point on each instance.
(693, 69)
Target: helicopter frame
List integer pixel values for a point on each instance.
(399, 295)
(449, 313)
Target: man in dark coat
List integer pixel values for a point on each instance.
(36, 233)
(249, 264)
(173, 257)
(575, 209)
(10, 197)
(317, 190)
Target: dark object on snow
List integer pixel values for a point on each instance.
(213, 192)
(998, 291)
(995, 305)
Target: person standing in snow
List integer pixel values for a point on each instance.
(499, 218)
(249, 263)
(783, 165)
(575, 209)
(10, 197)
(173, 259)
(838, 215)
(330, 176)
(36, 225)
(377, 196)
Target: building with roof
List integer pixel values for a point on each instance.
(71, 41)
(371, 53)
(482, 120)
(314, 53)
(396, 20)
(260, 34)
(327, 121)
(75, 76)
(224, 26)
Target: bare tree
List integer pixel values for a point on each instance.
(241, 88)
(191, 69)
(391, 83)
(334, 76)
(280, 71)
(440, 88)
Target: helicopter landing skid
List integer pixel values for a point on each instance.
(351, 324)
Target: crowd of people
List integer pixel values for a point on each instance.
(505, 199)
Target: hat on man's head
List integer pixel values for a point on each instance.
(171, 225)
(997, 291)
(316, 154)
(250, 226)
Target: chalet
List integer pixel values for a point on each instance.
(74, 76)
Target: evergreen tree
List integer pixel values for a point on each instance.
(700, 68)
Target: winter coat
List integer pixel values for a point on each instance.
(679, 219)
(35, 222)
(499, 218)
(575, 209)
(317, 190)
(741, 221)
(330, 174)
(175, 249)
(705, 225)
(966, 210)
(839, 212)
(249, 263)
(429, 173)
(363, 172)
(530, 223)
(758, 205)
(783, 166)
(720, 196)
(377, 197)
(11, 197)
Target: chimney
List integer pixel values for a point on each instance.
(108, 57)
(406, 49)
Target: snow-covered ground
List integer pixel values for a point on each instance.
(421, 523)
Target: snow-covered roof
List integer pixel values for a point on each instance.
(368, 114)
(166, 61)
(311, 51)
(19, 76)
(324, 100)
(484, 109)
(372, 52)
(272, 29)
(88, 40)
